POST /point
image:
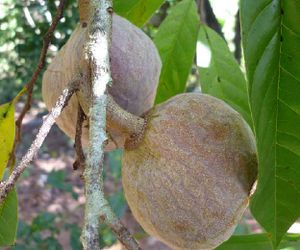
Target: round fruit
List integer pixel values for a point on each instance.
(188, 181)
(135, 66)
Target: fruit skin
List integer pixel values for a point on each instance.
(135, 66)
(188, 182)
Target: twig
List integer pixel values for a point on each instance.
(237, 38)
(96, 206)
(30, 84)
(201, 10)
(80, 157)
(208, 17)
(110, 219)
(62, 101)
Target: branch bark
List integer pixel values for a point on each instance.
(96, 206)
(98, 54)
(62, 101)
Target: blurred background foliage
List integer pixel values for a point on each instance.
(23, 23)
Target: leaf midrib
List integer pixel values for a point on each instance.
(276, 124)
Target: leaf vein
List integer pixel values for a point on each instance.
(289, 73)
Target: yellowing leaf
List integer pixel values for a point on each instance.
(7, 134)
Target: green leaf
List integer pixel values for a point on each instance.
(271, 41)
(260, 242)
(137, 11)
(118, 203)
(75, 233)
(44, 221)
(57, 179)
(7, 134)
(9, 219)
(176, 42)
(115, 164)
(223, 77)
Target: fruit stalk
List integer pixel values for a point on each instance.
(132, 126)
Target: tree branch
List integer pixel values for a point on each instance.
(62, 101)
(96, 206)
(80, 157)
(237, 38)
(30, 84)
(98, 54)
(133, 125)
(208, 17)
(110, 219)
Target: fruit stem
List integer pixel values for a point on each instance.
(117, 119)
(131, 124)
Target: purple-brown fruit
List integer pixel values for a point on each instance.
(135, 66)
(188, 182)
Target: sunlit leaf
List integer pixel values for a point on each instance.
(260, 242)
(7, 134)
(223, 77)
(137, 11)
(176, 42)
